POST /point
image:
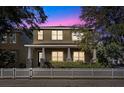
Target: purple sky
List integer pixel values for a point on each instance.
(62, 15)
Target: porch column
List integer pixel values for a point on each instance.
(42, 60)
(43, 51)
(94, 56)
(69, 55)
(29, 61)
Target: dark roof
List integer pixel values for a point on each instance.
(58, 27)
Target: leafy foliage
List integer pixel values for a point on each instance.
(102, 16)
(7, 58)
(109, 22)
(76, 65)
(89, 39)
(18, 18)
(21, 17)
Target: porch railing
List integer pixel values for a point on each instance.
(61, 73)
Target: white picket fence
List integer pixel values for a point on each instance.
(61, 73)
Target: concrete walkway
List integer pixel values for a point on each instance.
(62, 83)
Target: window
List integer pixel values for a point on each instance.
(57, 35)
(40, 35)
(12, 38)
(4, 38)
(57, 56)
(77, 36)
(60, 35)
(78, 56)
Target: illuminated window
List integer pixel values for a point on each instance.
(78, 56)
(57, 56)
(12, 38)
(77, 36)
(40, 35)
(57, 35)
(60, 35)
(54, 35)
(4, 38)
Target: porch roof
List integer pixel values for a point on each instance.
(51, 46)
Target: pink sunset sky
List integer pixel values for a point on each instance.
(62, 15)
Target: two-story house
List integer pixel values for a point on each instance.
(12, 50)
(54, 43)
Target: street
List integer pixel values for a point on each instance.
(62, 83)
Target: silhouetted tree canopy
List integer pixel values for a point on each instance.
(102, 16)
(108, 21)
(21, 17)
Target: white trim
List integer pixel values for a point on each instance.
(50, 45)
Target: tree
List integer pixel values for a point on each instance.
(109, 52)
(7, 58)
(107, 19)
(109, 22)
(89, 41)
(21, 17)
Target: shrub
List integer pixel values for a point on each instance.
(76, 65)
(22, 65)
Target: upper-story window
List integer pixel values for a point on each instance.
(76, 36)
(3, 38)
(40, 35)
(57, 35)
(12, 38)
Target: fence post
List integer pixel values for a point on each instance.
(72, 73)
(13, 73)
(51, 72)
(112, 73)
(2, 73)
(30, 73)
(92, 72)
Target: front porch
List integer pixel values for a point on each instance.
(53, 53)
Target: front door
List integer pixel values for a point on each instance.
(40, 56)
